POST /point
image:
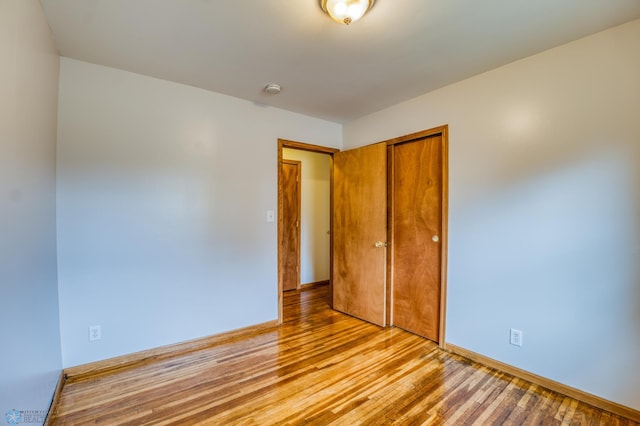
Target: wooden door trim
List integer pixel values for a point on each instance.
(440, 130)
(443, 132)
(390, 226)
(285, 143)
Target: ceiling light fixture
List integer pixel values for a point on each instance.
(346, 11)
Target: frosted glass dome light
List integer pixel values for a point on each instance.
(346, 11)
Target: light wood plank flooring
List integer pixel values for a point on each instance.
(319, 368)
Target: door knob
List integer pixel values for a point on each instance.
(435, 238)
(380, 244)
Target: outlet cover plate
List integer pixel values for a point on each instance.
(95, 333)
(515, 337)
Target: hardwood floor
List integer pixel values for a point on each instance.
(321, 367)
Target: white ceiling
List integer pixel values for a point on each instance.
(401, 49)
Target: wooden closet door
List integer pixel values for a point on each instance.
(417, 235)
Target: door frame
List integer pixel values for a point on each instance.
(443, 131)
(284, 143)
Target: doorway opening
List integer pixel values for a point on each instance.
(305, 176)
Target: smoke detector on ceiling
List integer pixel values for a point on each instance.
(272, 89)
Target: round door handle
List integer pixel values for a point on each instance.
(435, 238)
(380, 244)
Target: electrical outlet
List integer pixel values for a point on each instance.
(95, 333)
(515, 337)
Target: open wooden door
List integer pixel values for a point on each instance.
(291, 224)
(360, 232)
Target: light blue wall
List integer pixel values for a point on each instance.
(544, 218)
(163, 191)
(30, 360)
